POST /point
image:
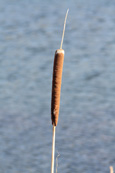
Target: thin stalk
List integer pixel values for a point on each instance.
(111, 169)
(53, 149)
(64, 28)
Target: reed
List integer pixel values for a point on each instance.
(56, 89)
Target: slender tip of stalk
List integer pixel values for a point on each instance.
(64, 28)
(111, 169)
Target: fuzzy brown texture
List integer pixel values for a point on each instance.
(56, 85)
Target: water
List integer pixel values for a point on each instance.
(30, 32)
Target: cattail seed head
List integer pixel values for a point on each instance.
(56, 85)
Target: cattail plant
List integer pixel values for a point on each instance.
(56, 89)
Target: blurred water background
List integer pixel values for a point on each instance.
(30, 32)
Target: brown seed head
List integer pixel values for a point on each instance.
(56, 85)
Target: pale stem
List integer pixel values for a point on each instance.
(53, 150)
(64, 28)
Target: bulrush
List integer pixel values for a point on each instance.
(56, 89)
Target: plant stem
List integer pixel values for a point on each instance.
(53, 149)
